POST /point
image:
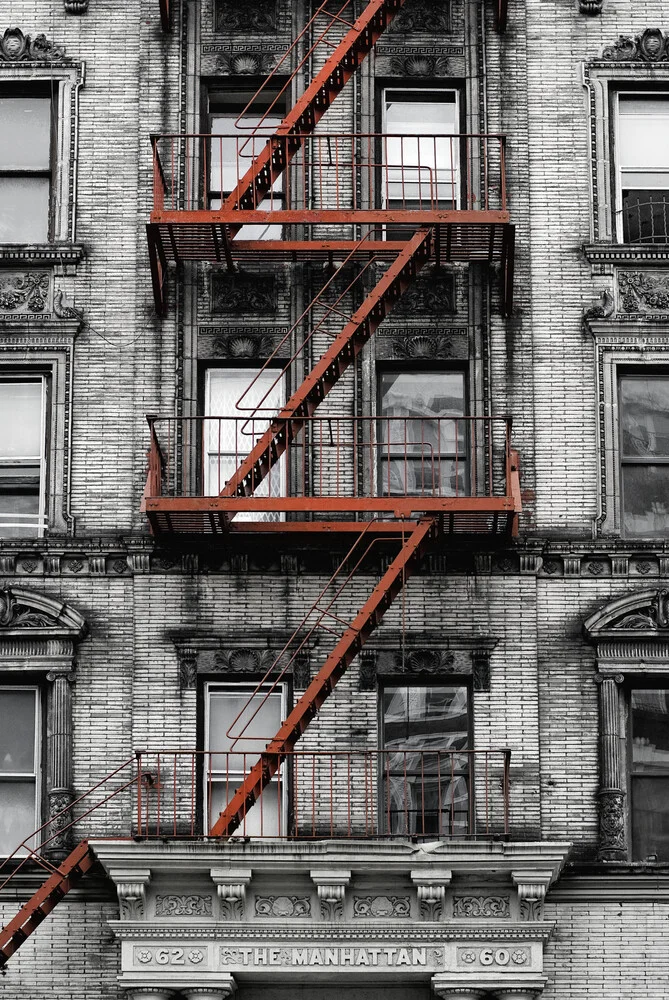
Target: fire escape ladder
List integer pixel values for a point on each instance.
(332, 365)
(32, 913)
(336, 664)
(305, 114)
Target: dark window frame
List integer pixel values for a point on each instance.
(645, 683)
(656, 372)
(24, 484)
(41, 90)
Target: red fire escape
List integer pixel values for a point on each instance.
(335, 470)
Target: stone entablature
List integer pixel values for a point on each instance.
(194, 915)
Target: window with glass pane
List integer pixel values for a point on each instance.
(234, 429)
(643, 167)
(644, 454)
(19, 735)
(421, 152)
(650, 773)
(25, 168)
(236, 140)
(426, 780)
(422, 445)
(22, 457)
(239, 724)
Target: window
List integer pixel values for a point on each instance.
(25, 166)
(644, 453)
(643, 167)
(255, 718)
(234, 145)
(22, 456)
(422, 445)
(426, 781)
(19, 757)
(421, 162)
(229, 439)
(649, 777)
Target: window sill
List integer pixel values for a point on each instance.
(44, 253)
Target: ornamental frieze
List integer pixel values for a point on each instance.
(253, 16)
(381, 907)
(25, 294)
(189, 905)
(243, 292)
(644, 292)
(246, 63)
(282, 906)
(481, 906)
(429, 16)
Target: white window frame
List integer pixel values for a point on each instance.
(273, 376)
(39, 521)
(455, 167)
(66, 81)
(247, 687)
(619, 170)
(36, 775)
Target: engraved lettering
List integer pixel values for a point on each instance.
(403, 957)
(419, 956)
(300, 956)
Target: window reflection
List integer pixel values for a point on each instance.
(650, 773)
(644, 454)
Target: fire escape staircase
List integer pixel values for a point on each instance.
(416, 534)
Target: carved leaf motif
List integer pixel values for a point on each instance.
(381, 906)
(24, 293)
(257, 16)
(655, 617)
(283, 906)
(481, 906)
(183, 906)
(242, 293)
(16, 615)
(423, 15)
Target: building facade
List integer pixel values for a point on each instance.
(334, 577)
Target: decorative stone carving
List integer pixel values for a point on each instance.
(430, 16)
(481, 669)
(131, 890)
(24, 293)
(590, 7)
(244, 346)
(654, 617)
(420, 661)
(76, 7)
(532, 887)
(416, 64)
(644, 292)
(149, 993)
(481, 906)
(431, 891)
(15, 614)
(652, 45)
(612, 839)
(187, 666)
(461, 992)
(253, 16)
(231, 887)
(59, 833)
(17, 47)
(367, 659)
(432, 294)
(331, 887)
(209, 992)
(243, 661)
(601, 309)
(62, 310)
(301, 670)
(183, 906)
(243, 292)
(246, 63)
(282, 906)
(381, 907)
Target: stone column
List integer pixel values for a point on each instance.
(461, 992)
(59, 760)
(612, 834)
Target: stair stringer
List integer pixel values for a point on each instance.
(335, 666)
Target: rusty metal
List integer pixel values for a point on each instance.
(336, 664)
(165, 20)
(377, 793)
(501, 14)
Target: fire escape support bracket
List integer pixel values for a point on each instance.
(507, 270)
(336, 664)
(158, 263)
